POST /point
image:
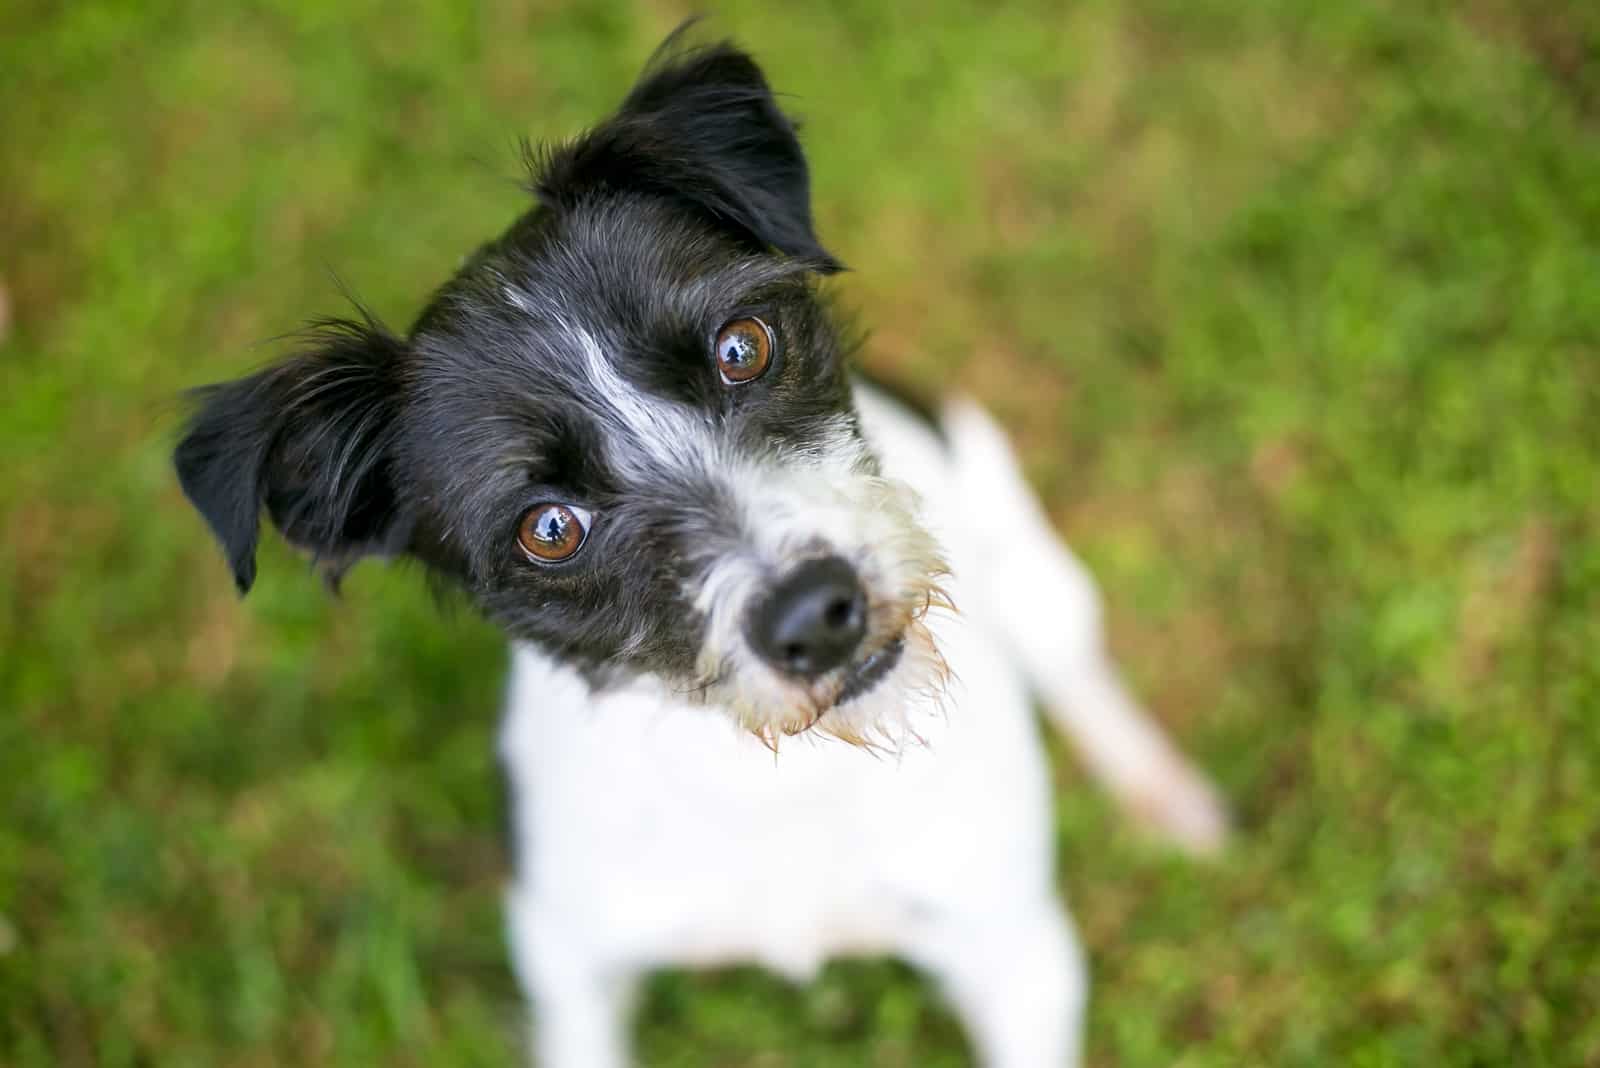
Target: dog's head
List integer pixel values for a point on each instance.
(624, 427)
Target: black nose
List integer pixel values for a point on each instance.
(813, 619)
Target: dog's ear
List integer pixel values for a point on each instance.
(311, 439)
(700, 127)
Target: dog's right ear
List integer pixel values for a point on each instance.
(311, 439)
(702, 128)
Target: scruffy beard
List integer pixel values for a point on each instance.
(871, 522)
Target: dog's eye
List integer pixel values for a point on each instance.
(744, 349)
(552, 532)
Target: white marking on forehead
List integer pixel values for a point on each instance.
(660, 432)
(668, 433)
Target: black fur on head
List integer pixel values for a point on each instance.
(702, 128)
(574, 366)
(533, 373)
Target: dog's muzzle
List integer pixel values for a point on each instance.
(813, 622)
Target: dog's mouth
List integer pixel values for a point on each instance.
(864, 675)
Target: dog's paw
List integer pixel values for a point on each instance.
(1182, 805)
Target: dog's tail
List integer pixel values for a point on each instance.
(1044, 603)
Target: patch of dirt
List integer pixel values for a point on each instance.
(1564, 43)
(41, 274)
(1503, 599)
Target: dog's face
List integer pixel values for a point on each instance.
(625, 428)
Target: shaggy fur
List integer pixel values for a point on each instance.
(571, 364)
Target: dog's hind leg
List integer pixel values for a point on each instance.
(1032, 591)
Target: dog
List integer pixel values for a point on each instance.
(776, 630)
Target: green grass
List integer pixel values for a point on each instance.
(1294, 307)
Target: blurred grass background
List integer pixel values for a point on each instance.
(1295, 310)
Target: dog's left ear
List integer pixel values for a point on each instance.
(702, 128)
(311, 440)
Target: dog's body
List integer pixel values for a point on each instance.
(650, 834)
(745, 723)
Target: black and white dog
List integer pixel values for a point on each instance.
(627, 430)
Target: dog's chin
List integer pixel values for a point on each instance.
(873, 702)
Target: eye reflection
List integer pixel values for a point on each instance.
(551, 532)
(743, 350)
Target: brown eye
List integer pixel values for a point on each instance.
(744, 349)
(552, 532)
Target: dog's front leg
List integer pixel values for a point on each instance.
(1015, 974)
(581, 1022)
(581, 1004)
